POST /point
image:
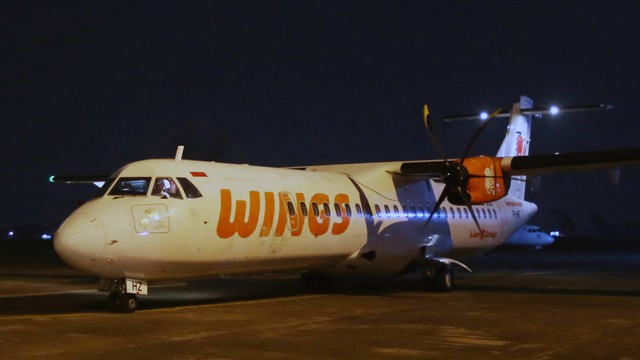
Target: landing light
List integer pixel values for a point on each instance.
(484, 115)
(554, 110)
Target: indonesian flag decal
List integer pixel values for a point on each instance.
(198, 174)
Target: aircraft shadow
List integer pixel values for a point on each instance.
(218, 291)
(547, 290)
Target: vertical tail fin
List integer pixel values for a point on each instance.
(516, 142)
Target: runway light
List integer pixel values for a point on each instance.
(46, 237)
(10, 233)
(484, 115)
(554, 110)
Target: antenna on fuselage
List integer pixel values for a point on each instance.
(179, 152)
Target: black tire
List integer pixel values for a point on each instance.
(444, 280)
(127, 303)
(112, 302)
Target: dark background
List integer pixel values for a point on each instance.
(89, 86)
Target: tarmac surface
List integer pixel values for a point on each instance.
(518, 304)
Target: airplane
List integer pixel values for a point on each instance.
(530, 235)
(165, 219)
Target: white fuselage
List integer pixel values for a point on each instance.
(529, 235)
(355, 219)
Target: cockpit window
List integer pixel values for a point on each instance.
(103, 189)
(166, 188)
(131, 186)
(190, 190)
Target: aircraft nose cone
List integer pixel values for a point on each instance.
(79, 240)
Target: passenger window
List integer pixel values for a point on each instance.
(327, 210)
(396, 211)
(466, 213)
(453, 214)
(303, 209)
(459, 213)
(484, 214)
(412, 211)
(359, 210)
(131, 186)
(367, 210)
(291, 208)
(338, 211)
(348, 208)
(378, 212)
(166, 188)
(386, 210)
(190, 190)
(314, 208)
(444, 211)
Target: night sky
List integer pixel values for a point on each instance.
(89, 86)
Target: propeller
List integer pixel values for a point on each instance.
(454, 174)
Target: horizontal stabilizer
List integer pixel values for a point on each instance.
(533, 111)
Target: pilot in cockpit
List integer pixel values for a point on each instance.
(165, 188)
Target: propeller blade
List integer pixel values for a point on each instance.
(443, 196)
(432, 135)
(479, 131)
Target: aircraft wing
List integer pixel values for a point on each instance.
(71, 179)
(539, 164)
(545, 164)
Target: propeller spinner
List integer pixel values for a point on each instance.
(455, 174)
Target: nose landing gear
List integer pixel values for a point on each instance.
(123, 293)
(122, 303)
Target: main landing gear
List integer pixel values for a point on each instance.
(123, 293)
(438, 277)
(437, 273)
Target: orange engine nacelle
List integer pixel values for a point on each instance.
(487, 182)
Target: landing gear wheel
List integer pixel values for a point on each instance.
(440, 279)
(122, 303)
(445, 279)
(112, 301)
